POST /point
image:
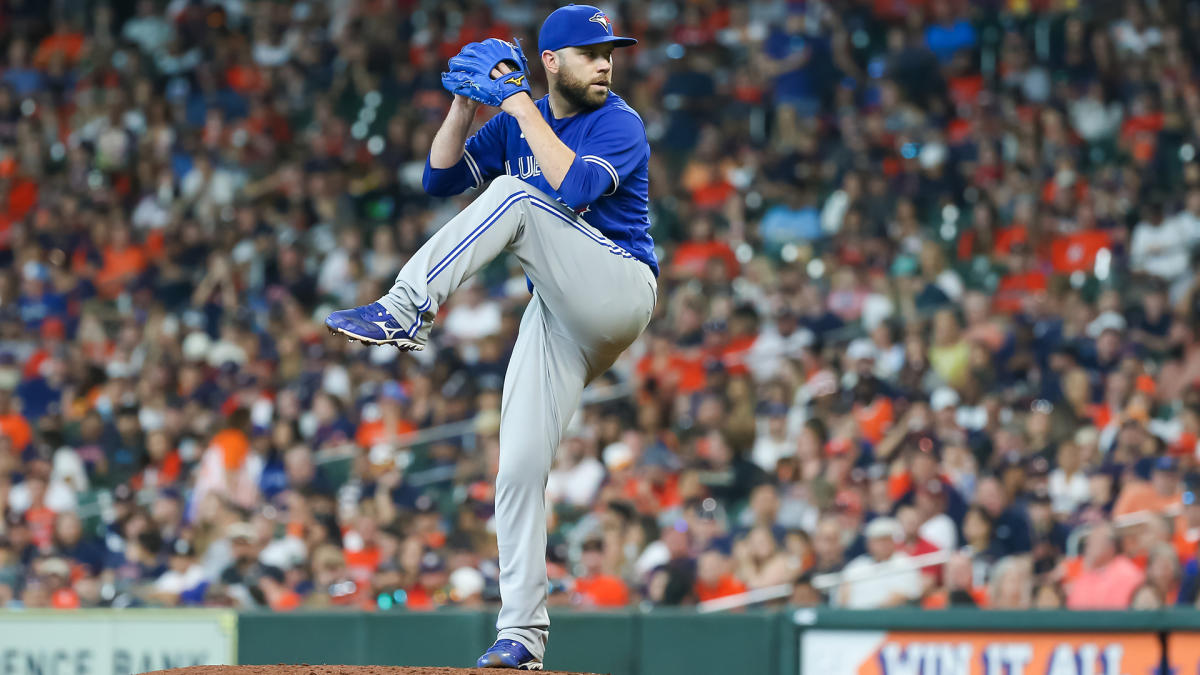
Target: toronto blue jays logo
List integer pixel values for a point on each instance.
(599, 18)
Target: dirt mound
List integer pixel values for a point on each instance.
(335, 670)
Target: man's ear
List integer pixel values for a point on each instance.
(550, 61)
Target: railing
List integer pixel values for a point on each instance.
(823, 582)
(1120, 523)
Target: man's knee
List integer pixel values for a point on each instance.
(506, 185)
(517, 478)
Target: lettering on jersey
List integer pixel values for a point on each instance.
(527, 167)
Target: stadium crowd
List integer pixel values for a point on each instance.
(929, 289)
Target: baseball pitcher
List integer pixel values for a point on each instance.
(569, 199)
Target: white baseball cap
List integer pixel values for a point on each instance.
(465, 582)
(884, 527)
(943, 397)
(1106, 321)
(861, 348)
(617, 456)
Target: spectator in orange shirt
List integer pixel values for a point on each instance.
(658, 482)
(360, 548)
(666, 371)
(279, 597)
(693, 256)
(958, 589)
(1106, 579)
(872, 410)
(57, 574)
(163, 464)
(391, 427)
(124, 260)
(39, 516)
(1158, 495)
(226, 467)
(12, 423)
(1023, 279)
(921, 466)
(430, 590)
(739, 336)
(596, 588)
(17, 196)
(66, 42)
(704, 175)
(714, 578)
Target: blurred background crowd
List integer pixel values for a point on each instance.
(929, 290)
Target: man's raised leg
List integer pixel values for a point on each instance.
(458, 250)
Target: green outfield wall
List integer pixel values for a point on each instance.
(619, 643)
(660, 642)
(782, 642)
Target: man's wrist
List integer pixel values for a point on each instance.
(519, 105)
(462, 111)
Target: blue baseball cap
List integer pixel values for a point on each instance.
(577, 26)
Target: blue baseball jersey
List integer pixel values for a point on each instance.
(607, 185)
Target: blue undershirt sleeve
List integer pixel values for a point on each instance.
(483, 158)
(612, 152)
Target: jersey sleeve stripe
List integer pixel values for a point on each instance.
(474, 168)
(604, 164)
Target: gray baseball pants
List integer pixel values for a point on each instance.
(591, 300)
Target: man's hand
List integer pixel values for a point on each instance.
(513, 104)
(501, 68)
(466, 103)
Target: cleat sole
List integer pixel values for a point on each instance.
(402, 346)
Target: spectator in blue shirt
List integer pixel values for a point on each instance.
(950, 34)
(795, 220)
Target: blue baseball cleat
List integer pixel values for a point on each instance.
(508, 654)
(373, 325)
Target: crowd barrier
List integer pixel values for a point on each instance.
(631, 642)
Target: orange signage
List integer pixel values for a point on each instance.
(909, 653)
(1184, 651)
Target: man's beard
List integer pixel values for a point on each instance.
(577, 93)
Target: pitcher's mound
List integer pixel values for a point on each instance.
(336, 670)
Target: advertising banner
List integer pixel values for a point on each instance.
(107, 642)
(845, 652)
(1183, 649)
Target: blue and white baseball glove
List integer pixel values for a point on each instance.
(471, 71)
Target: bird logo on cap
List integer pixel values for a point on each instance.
(599, 18)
